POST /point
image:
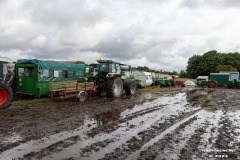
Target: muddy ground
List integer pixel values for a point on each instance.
(175, 123)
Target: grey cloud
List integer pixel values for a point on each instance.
(41, 53)
(161, 34)
(211, 3)
(191, 3)
(61, 14)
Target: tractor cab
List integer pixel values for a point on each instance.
(108, 69)
(91, 71)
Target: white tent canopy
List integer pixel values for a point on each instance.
(189, 83)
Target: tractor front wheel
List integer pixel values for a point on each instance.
(6, 95)
(114, 87)
(131, 87)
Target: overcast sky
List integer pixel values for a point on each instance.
(161, 34)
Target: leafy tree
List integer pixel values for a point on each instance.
(212, 61)
(192, 67)
(183, 74)
(226, 68)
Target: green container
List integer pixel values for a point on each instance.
(32, 77)
(222, 79)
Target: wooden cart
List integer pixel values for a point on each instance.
(63, 90)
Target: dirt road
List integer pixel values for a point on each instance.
(178, 123)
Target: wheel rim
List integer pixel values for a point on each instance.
(212, 84)
(3, 96)
(82, 97)
(117, 88)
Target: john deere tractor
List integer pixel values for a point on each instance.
(108, 78)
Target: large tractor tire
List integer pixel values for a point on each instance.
(114, 87)
(130, 87)
(6, 95)
(212, 84)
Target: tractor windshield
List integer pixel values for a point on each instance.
(104, 67)
(112, 68)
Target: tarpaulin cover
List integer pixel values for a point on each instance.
(52, 65)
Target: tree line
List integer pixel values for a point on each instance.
(210, 62)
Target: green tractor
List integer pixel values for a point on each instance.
(109, 78)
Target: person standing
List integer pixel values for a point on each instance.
(9, 76)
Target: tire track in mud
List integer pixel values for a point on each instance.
(210, 136)
(228, 130)
(131, 125)
(52, 148)
(226, 138)
(140, 110)
(53, 142)
(114, 125)
(234, 117)
(126, 131)
(136, 142)
(180, 138)
(38, 146)
(169, 143)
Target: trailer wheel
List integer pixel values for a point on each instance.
(130, 87)
(82, 97)
(6, 95)
(159, 85)
(168, 84)
(114, 87)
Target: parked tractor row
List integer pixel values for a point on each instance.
(74, 79)
(221, 79)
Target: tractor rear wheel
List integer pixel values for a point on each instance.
(212, 84)
(6, 95)
(114, 87)
(130, 87)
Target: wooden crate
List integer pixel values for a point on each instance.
(86, 86)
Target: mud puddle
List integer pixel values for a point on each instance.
(179, 124)
(167, 108)
(35, 146)
(142, 117)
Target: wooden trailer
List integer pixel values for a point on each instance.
(63, 90)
